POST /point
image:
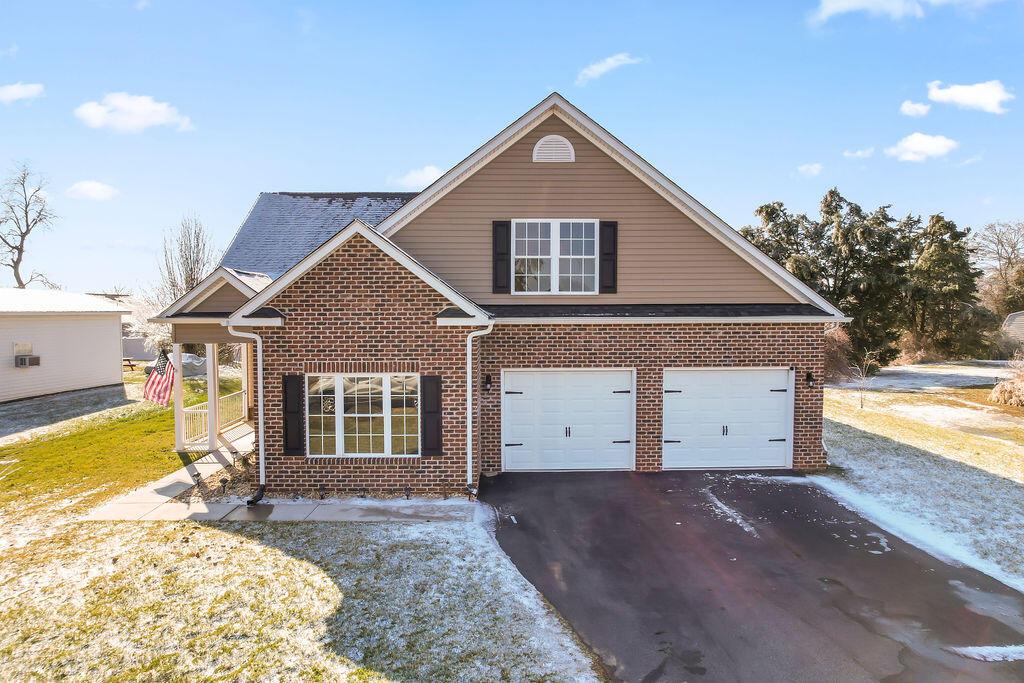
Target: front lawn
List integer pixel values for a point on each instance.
(940, 465)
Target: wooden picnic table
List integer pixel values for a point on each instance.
(128, 363)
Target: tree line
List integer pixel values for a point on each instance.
(915, 288)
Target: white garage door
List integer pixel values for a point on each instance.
(728, 418)
(567, 419)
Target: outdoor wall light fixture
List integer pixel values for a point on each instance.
(488, 383)
(810, 379)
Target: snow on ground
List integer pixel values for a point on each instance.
(943, 473)
(992, 653)
(277, 601)
(34, 417)
(936, 375)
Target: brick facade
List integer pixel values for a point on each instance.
(650, 348)
(361, 311)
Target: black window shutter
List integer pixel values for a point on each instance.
(430, 397)
(609, 257)
(501, 261)
(294, 429)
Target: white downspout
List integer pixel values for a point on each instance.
(259, 398)
(469, 400)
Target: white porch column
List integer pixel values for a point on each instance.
(178, 399)
(212, 391)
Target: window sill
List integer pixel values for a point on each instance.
(369, 456)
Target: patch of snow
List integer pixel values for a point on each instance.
(883, 542)
(935, 376)
(730, 514)
(991, 653)
(912, 527)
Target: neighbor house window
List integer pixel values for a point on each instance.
(379, 415)
(554, 256)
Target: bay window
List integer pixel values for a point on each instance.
(554, 256)
(369, 415)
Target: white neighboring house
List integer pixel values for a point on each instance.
(1013, 326)
(52, 341)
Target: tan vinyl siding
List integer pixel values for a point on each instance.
(664, 257)
(224, 299)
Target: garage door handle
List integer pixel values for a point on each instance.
(673, 391)
(779, 390)
(513, 392)
(622, 391)
(672, 441)
(513, 444)
(776, 439)
(626, 441)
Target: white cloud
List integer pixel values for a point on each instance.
(971, 160)
(809, 170)
(9, 51)
(914, 109)
(92, 190)
(20, 91)
(893, 9)
(919, 147)
(988, 96)
(417, 178)
(142, 4)
(130, 113)
(594, 71)
(859, 153)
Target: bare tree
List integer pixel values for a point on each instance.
(999, 248)
(188, 257)
(23, 210)
(864, 371)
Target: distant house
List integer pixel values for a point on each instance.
(54, 341)
(1013, 326)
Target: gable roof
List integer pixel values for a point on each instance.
(356, 227)
(556, 105)
(283, 227)
(244, 281)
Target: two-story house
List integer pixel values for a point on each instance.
(553, 302)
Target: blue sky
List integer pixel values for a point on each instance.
(740, 103)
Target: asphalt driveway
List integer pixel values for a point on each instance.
(681, 576)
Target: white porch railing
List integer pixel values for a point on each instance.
(196, 422)
(231, 409)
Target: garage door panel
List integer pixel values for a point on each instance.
(585, 402)
(726, 418)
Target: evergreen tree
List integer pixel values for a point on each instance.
(942, 306)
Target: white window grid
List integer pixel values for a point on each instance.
(558, 256)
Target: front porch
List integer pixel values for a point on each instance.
(220, 424)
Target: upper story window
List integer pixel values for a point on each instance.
(554, 256)
(554, 148)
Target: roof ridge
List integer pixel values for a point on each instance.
(353, 195)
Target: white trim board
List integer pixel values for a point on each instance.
(556, 105)
(623, 320)
(356, 227)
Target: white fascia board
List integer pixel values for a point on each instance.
(253, 322)
(185, 321)
(557, 105)
(357, 227)
(464, 322)
(196, 295)
(621, 320)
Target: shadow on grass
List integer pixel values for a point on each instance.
(42, 411)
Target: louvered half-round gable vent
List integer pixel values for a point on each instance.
(554, 148)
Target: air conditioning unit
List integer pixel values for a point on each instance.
(25, 361)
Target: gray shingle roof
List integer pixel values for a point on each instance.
(283, 227)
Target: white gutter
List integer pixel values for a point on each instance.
(259, 397)
(469, 400)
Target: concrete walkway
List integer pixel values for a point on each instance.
(156, 501)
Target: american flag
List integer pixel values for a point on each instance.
(160, 381)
